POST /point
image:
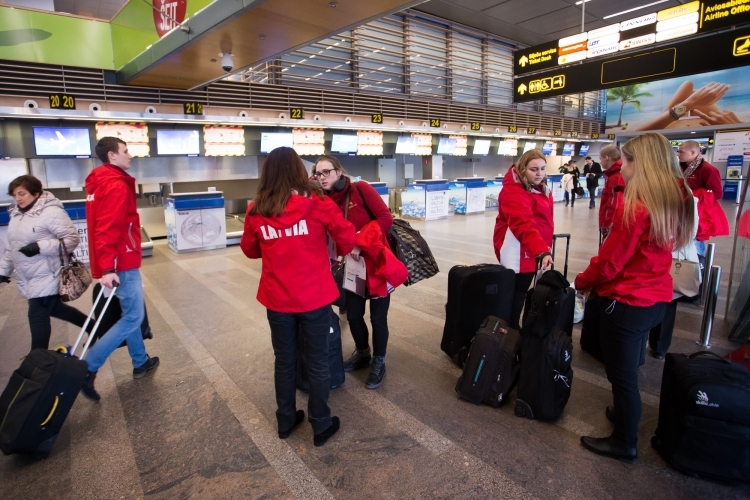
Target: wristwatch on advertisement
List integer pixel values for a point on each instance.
(678, 111)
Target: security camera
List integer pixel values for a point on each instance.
(226, 62)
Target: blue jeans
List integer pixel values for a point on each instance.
(315, 328)
(130, 295)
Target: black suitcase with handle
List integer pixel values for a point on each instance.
(491, 369)
(474, 293)
(112, 315)
(704, 417)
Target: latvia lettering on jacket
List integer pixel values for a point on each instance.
(299, 229)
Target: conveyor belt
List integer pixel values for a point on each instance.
(235, 226)
(147, 245)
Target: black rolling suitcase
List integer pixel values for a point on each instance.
(492, 367)
(112, 315)
(704, 417)
(39, 396)
(474, 293)
(335, 358)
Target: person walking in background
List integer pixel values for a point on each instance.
(631, 275)
(571, 183)
(592, 171)
(114, 231)
(286, 227)
(360, 204)
(38, 226)
(614, 185)
(524, 225)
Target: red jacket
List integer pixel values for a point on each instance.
(611, 199)
(296, 273)
(705, 177)
(524, 224)
(712, 219)
(363, 198)
(629, 268)
(114, 227)
(383, 268)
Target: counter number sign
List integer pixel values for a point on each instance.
(558, 132)
(574, 134)
(377, 118)
(611, 137)
(434, 122)
(594, 135)
(512, 129)
(531, 130)
(192, 108)
(62, 101)
(297, 114)
(475, 126)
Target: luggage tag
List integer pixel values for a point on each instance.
(355, 277)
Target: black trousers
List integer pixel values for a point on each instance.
(523, 282)
(570, 197)
(592, 197)
(623, 334)
(355, 314)
(315, 329)
(660, 336)
(41, 309)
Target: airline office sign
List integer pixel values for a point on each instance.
(675, 22)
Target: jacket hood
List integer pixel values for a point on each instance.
(46, 199)
(616, 166)
(297, 208)
(513, 179)
(105, 173)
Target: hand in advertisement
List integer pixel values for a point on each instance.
(716, 117)
(706, 96)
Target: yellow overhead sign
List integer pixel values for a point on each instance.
(678, 11)
(545, 84)
(742, 46)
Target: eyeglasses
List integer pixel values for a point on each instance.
(323, 173)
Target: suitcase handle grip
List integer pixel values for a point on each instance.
(702, 353)
(51, 412)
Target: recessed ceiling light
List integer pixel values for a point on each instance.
(579, 2)
(634, 9)
(332, 5)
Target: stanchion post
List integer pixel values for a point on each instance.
(707, 271)
(710, 309)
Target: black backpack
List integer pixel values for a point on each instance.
(544, 305)
(411, 249)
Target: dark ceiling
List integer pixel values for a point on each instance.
(537, 21)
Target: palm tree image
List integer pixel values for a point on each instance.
(628, 94)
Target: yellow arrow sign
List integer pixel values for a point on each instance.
(523, 61)
(522, 89)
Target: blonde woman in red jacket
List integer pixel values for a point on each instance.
(286, 226)
(524, 224)
(631, 275)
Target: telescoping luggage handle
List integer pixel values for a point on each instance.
(554, 244)
(98, 321)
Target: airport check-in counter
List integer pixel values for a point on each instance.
(196, 221)
(382, 189)
(467, 195)
(76, 210)
(4, 221)
(426, 199)
(494, 186)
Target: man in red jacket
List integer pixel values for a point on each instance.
(114, 232)
(614, 184)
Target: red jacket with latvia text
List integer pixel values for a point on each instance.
(629, 268)
(524, 224)
(614, 185)
(296, 273)
(114, 227)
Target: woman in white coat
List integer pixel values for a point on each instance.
(37, 224)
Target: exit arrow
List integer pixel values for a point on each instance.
(522, 89)
(523, 61)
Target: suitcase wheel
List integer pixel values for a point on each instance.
(523, 410)
(520, 411)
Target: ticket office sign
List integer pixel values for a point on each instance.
(725, 50)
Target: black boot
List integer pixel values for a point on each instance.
(606, 447)
(323, 437)
(359, 360)
(88, 387)
(377, 373)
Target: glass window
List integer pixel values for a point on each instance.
(467, 69)
(328, 62)
(380, 55)
(499, 73)
(428, 59)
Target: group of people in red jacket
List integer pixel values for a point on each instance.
(647, 210)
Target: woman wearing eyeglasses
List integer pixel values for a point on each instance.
(361, 204)
(286, 226)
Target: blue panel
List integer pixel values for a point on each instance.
(4, 218)
(212, 202)
(436, 187)
(476, 184)
(187, 204)
(381, 189)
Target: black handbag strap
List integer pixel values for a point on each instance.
(64, 259)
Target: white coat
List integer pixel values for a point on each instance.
(46, 223)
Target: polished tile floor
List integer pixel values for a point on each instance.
(203, 425)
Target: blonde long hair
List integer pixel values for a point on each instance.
(523, 163)
(656, 185)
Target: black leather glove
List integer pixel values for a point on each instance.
(30, 250)
(4, 279)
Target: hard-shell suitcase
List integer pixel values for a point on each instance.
(491, 369)
(39, 396)
(335, 358)
(704, 417)
(112, 315)
(474, 293)
(546, 375)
